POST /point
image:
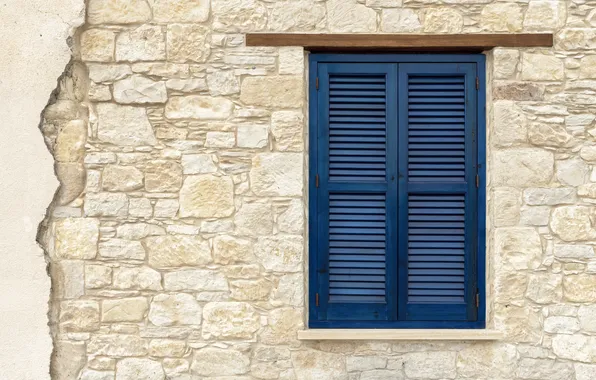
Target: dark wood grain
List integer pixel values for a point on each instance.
(429, 42)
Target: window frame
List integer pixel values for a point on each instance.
(314, 60)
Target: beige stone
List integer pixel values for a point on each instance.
(69, 277)
(553, 135)
(443, 20)
(97, 276)
(187, 85)
(545, 15)
(121, 345)
(166, 208)
(350, 16)
(228, 249)
(174, 310)
(195, 280)
(431, 365)
(564, 251)
(277, 174)
(79, 316)
(291, 219)
(220, 140)
(283, 325)
(206, 196)
(108, 73)
(253, 136)
(291, 60)
(507, 205)
(121, 178)
(518, 247)
(522, 167)
(280, 253)
(211, 361)
(198, 164)
(138, 89)
(122, 249)
(580, 288)
(124, 125)
(223, 83)
(89, 374)
(549, 196)
(190, 11)
(572, 172)
(544, 369)
(277, 92)
(135, 368)
(575, 347)
(505, 63)
(400, 20)
(561, 325)
(289, 290)
(312, 364)
(163, 176)
(585, 371)
(287, 128)
(573, 223)
(167, 347)
(124, 310)
(487, 361)
(518, 324)
(502, 17)
(254, 219)
(76, 238)
(587, 317)
(145, 43)
(545, 288)
(250, 290)
(198, 107)
(588, 66)
(135, 231)
(299, 16)
(177, 250)
(518, 91)
(139, 278)
(69, 359)
(98, 45)
(118, 11)
(510, 287)
(229, 320)
(188, 43)
(238, 15)
(542, 67)
(72, 182)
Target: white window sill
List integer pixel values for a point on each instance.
(395, 334)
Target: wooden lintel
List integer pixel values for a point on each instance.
(432, 42)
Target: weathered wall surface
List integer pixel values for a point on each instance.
(34, 54)
(178, 239)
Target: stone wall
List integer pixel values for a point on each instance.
(177, 241)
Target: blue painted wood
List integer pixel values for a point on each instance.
(398, 237)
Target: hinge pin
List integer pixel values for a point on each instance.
(477, 83)
(477, 181)
(317, 83)
(317, 299)
(317, 181)
(477, 300)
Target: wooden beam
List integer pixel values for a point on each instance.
(428, 42)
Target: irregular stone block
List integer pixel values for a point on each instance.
(190, 11)
(280, 253)
(174, 310)
(138, 89)
(275, 92)
(124, 309)
(121, 178)
(177, 250)
(124, 125)
(229, 320)
(207, 196)
(195, 280)
(134, 368)
(350, 16)
(188, 43)
(76, 238)
(79, 316)
(118, 11)
(277, 174)
(198, 107)
(523, 167)
(145, 43)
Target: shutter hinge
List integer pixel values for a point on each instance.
(477, 83)
(317, 83)
(477, 299)
(317, 299)
(477, 181)
(317, 181)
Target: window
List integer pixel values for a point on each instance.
(397, 200)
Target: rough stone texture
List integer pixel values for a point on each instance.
(180, 240)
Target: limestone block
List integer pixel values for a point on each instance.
(121, 178)
(518, 91)
(135, 231)
(587, 66)
(587, 317)
(552, 135)
(530, 368)
(542, 67)
(502, 17)
(188, 43)
(162, 69)
(177, 250)
(187, 85)
(140, 208)
(535, 216)
(277, 174)
(505, 63)
(549, 196)
(223, 83)
(298, 16)
(175, 367)
(283, 326)
(190, 11)
(382, 374)
(195, 279)
(518, 247)
(123, 125)
(198, 107)
(108, 73)
(99, 93)
(289, 290)
(145, 43)
(207, 196)
(79, 316)
(138, 278)
(443, 20)
(122, 249)
(228, 249)
(124, 309)
(238, 15)
(431, 365)
(69, 277)
(76, 238)
(561, 325)
(254, 219)
(118, 11)
(69, 358)
(545, 288)
(211, 361)
(291, 220)
(220, 140)
(280, 253)
(163, 176)
(89, 374)
(287, 128)
(276, 92)
(572, 172)
(573, 223)
(229, 320)
(312, 364)
(545, 15)
(250, 290)
(510, 287)
(575, 347)
(400, 20)
(364, 363)
(565, 251)
(585, 371)
(120, 345)
(507, 205)
(291, 60)
(350, 16)
(487, 361)
(588, 153)
(198, 164)
(174, 310)
(72, 182)
(167, 347)
(166, 208)
(97, 45)
(134, 368)
(519, 324)
(253, 136)
(580, 288)
(522, 167)
(138, 89)
(97, 276)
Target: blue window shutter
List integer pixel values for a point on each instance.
(357, 193)
(437, 191)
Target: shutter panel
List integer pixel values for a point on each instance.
(356, 198)
(437, 192)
